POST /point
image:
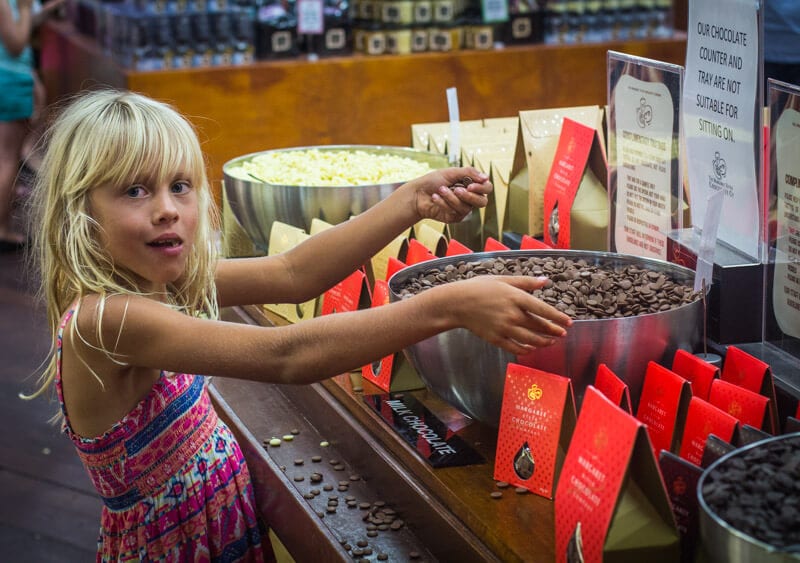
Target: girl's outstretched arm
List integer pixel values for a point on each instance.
(499, 309)
(317, 264)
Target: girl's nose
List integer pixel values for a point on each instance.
(164, 208)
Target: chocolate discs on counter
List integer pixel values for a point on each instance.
(576, 287)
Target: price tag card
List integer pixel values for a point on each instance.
(493, 244)
(662, 405)
(417, 252)
(744, 405)
(536, 421)
(310, 19)
(610, 502)
(455, 248)
(610, 385)
(702, 419)
(745, 370)
(284, 237)
(392, 372)
(347, 295)
(680, 479)
(698, 372)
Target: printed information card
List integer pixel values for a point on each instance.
(644, 123)
(722, 117)
(785, 190)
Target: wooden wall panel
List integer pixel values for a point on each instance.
(349, 100)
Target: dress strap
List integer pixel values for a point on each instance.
(65, 426)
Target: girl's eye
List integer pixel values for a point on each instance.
(135, 191)
(181, 187)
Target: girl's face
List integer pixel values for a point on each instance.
(148, 227)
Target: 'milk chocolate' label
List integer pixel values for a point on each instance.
(423, 430)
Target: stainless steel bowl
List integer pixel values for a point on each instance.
(721, 542)
(256, 204)
(469, 373)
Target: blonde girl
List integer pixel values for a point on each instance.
(133, 285)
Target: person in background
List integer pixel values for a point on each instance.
(123, 235)
(782, 42)
(17, 84)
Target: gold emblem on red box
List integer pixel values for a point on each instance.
(735, 409)
(535, 392)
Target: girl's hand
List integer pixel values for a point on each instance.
(501, 310)
(435, 199)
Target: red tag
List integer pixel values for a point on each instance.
(569, 162)
(455, 248)
(530, 243)
(380, 373)
(494, 244)
(345, 295)
(417, 253)
(664, 399)
(610, 385)
(538, 415)
(593, 473)
(744, 405)
(744, 370)
(393, 266)
(702, 419)
(698, 372)
(797, 414)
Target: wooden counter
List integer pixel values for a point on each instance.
(448, 512)
(347, 100)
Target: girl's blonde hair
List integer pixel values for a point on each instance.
(108, 137)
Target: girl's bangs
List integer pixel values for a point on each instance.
(151, 148)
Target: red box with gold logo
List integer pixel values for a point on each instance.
(747, 371)
(392, 372)
(610, 385)
(662, 406)
(536, 421)
(611, 503)
(746, 406)
(698, 372)
(702, 419)
(348, 295)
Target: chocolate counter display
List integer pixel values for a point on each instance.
(348, 450)
(647, 312)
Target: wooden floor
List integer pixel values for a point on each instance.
(49, 510)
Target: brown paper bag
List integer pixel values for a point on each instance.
(535, 147)
(575, 203)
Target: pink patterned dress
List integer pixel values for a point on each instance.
(173, 479)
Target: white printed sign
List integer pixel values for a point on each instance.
(786, 288)
(644, 127)
(720, 116)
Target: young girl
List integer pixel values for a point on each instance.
(123, 236)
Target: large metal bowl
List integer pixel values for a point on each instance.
(469, 373)
(723, 543)
(256, 204)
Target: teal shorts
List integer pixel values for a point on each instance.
(16, 95)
